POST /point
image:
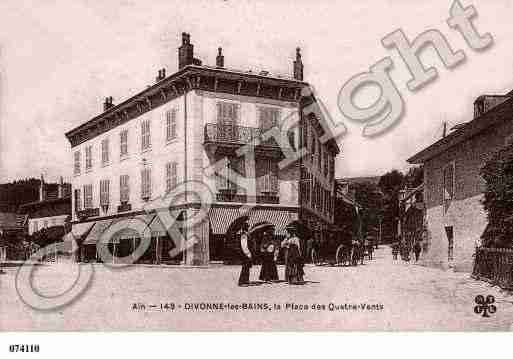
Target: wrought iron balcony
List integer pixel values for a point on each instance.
(236, 135)
(227, 196)
(233, 196)
(88, 212)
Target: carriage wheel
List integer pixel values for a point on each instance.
(315, 258)
(339, 255)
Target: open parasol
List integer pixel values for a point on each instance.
(236, 225)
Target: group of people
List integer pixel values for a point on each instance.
(268, 252)
(404, 251)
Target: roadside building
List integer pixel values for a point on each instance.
(52, 209)
(184, 132)
(12, 224)
(453, 187)
(12, 232)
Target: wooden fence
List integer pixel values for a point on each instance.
(494, 265)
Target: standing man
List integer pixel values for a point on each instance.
(417, 249)
(246, 256)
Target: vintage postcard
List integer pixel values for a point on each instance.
(256, 166)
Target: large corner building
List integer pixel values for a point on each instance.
(140, 149)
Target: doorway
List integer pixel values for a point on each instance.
(449, 232)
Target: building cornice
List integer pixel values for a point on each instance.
(189, 78)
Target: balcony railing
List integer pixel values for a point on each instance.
(88, 212)
(236, 135)
(124, 207)
(226, 196)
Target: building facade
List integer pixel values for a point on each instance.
(194, 131)
(453, 187)
(53, 208)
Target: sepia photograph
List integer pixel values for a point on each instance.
(255, 166)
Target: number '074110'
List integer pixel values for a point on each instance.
(24, 348)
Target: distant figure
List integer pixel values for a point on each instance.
(246, 256)
(269, 255)
(294, 262)
(417, 249)
(395, 251)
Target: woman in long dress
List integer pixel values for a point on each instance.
(294, 272)
(268, 253)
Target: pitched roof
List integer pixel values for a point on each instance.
(495, 115)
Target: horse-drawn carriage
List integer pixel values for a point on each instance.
(337, 248)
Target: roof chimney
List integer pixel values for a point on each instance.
(107, 104)
(186, 51)
(220, 58)
(161, 76)
(298, 66)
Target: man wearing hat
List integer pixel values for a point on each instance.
(246, 255)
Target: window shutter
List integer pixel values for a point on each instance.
(236, 114)
(219, 113)
(274, 176)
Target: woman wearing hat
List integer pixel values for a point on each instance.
(294, 261)
(269, 254)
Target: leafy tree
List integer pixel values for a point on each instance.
(370, 198)
(391, 183)
(18, 192)
(46, 236)
(414, 177)
(498, 199)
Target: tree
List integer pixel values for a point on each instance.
(370, 198)
(391, 183)
(414, 177)
(498, 199)
(19, 192)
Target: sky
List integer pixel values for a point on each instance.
(60, 59)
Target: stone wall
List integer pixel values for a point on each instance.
(464, 212)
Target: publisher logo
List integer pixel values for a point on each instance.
(485, 306)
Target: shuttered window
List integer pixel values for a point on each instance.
(145, 135)
(104, 193)
(146, 183)
(171, 175)
(171, 125)
(448, 182)
(105, 151)
(76, 163)
(78, 200)
(227, 113)
(89, 157)
(268, 117)
(124, 188)
(267, 176)
(123, 143)
(88, 196)
(226, 176)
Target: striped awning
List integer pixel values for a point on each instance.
(80, 229)
(157, 228)
(131, 227)
(222, 217)
(97, 230)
